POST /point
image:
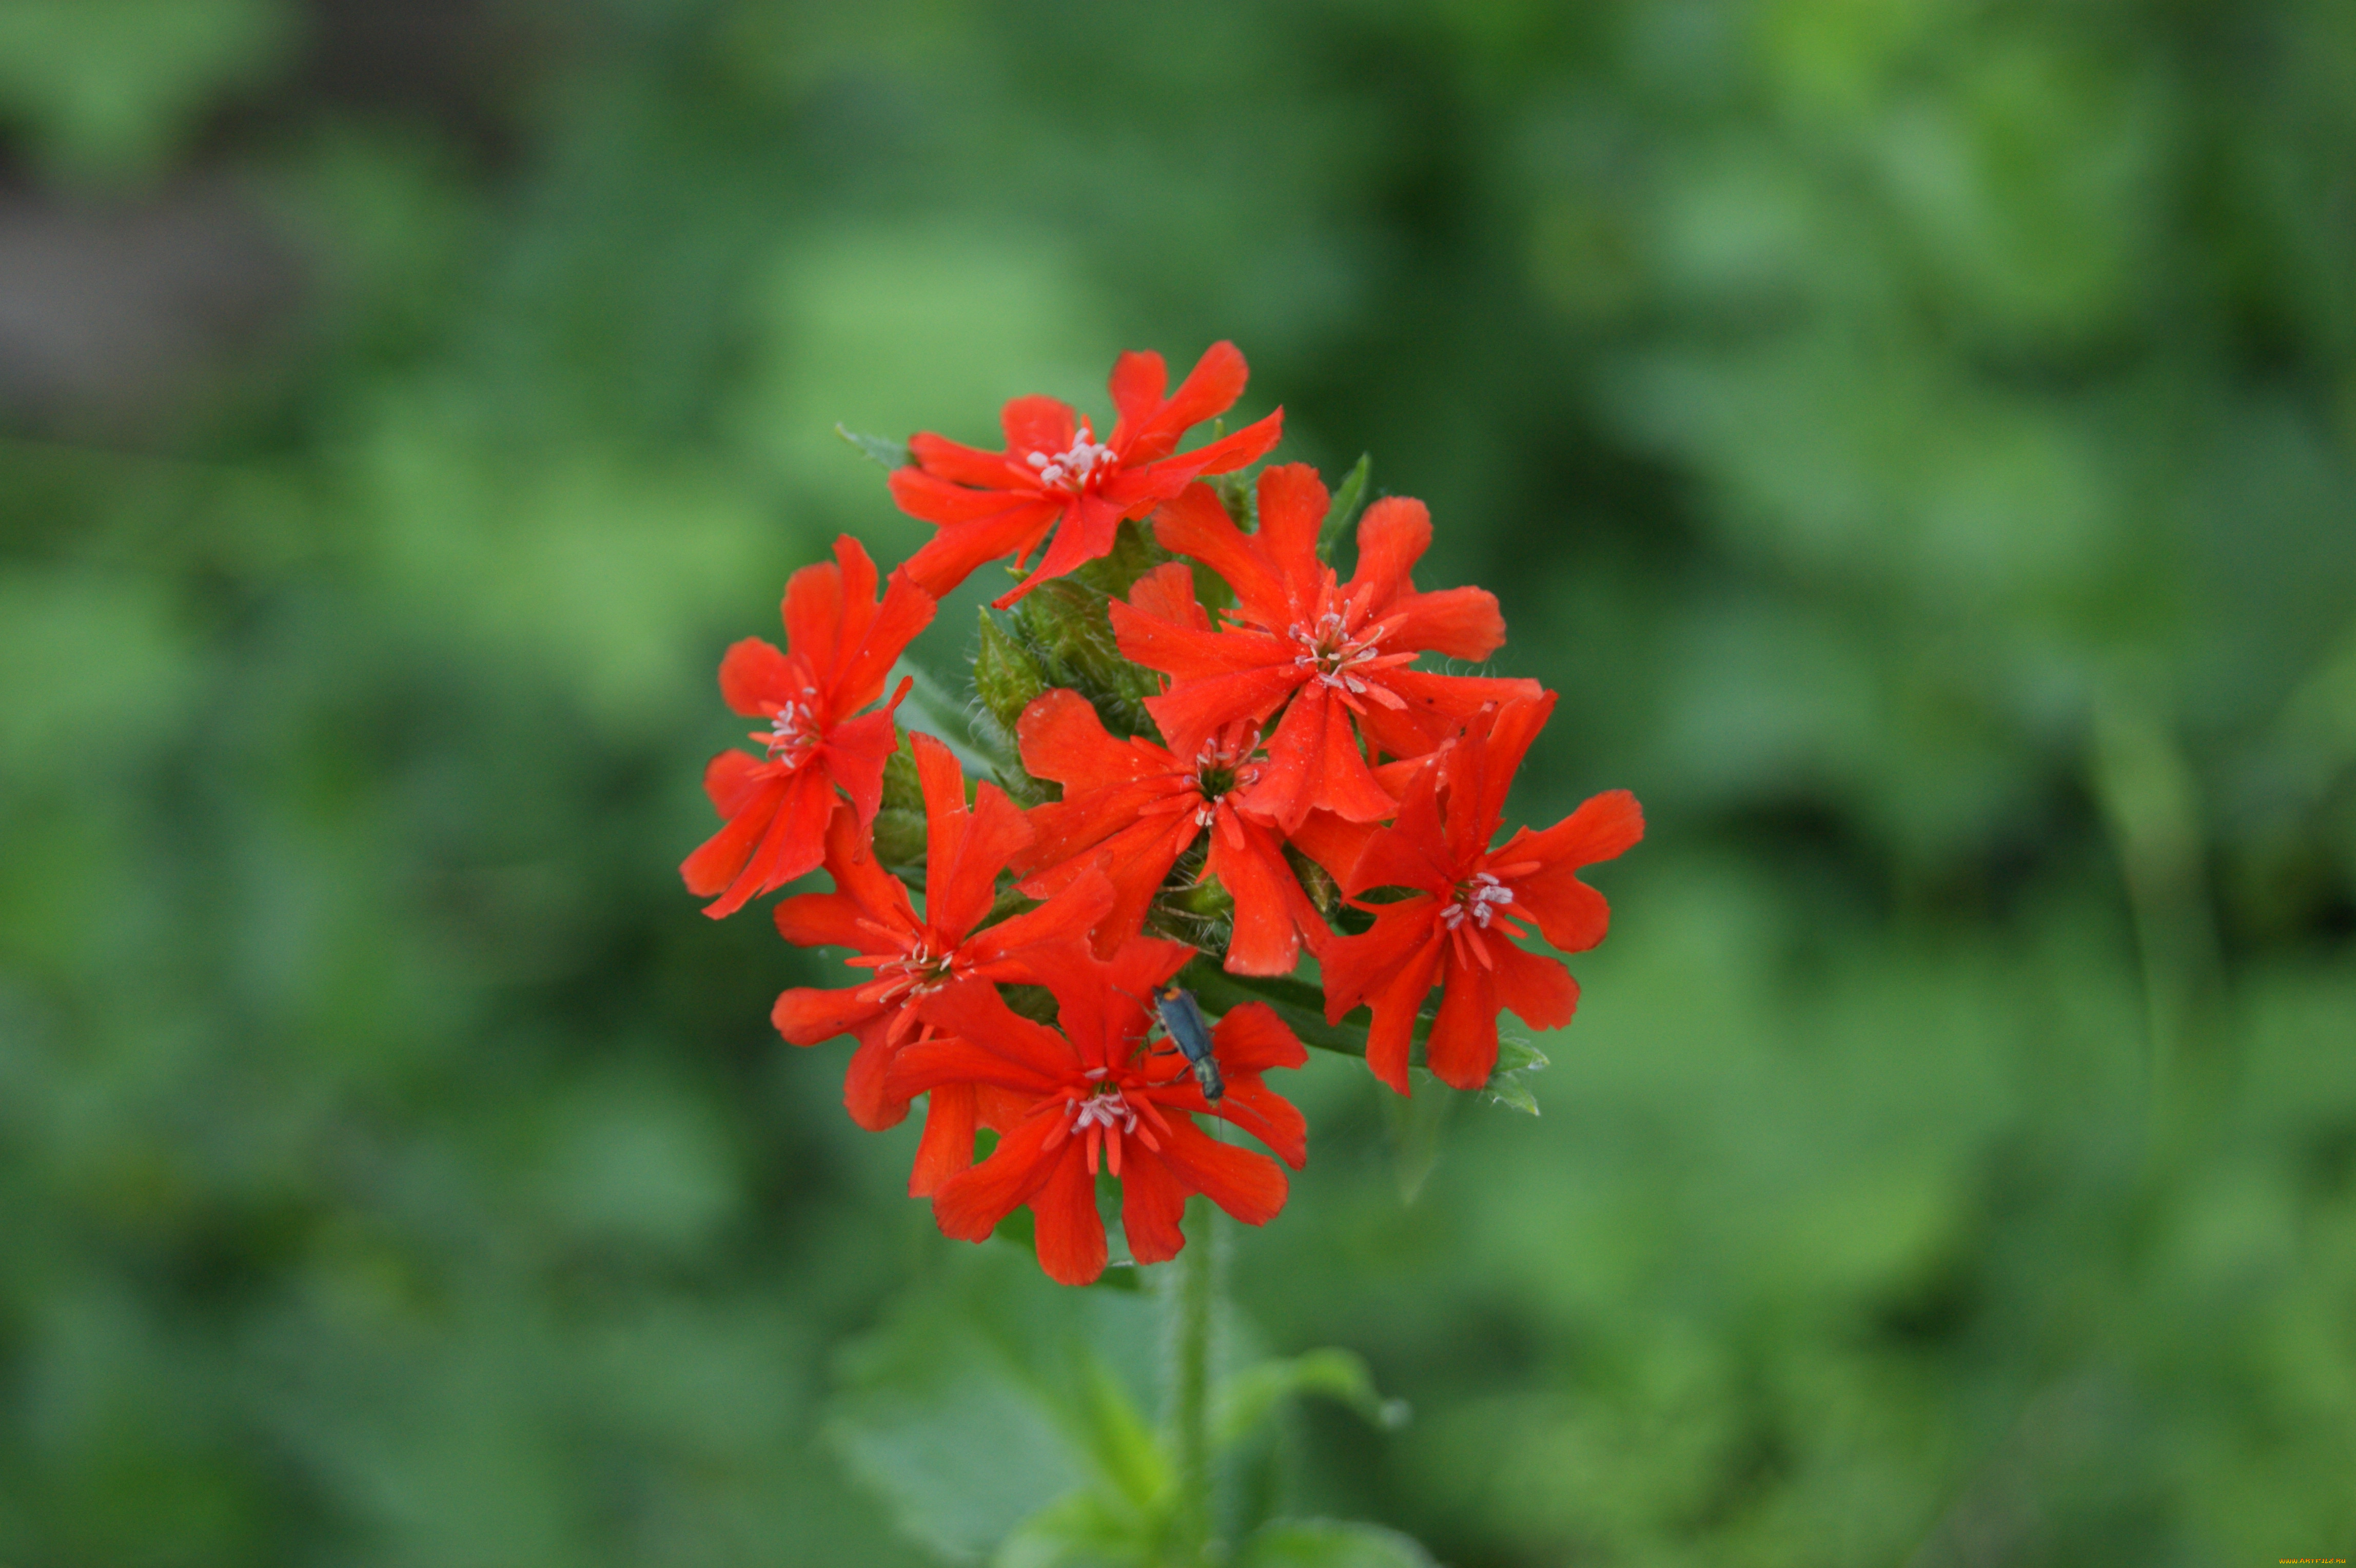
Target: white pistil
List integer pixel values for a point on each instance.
(1075, 469)
(1480, 898)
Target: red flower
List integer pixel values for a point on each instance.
(840, 645)
(1332, 651)
(1471, 900)
(1133, 808)
(1054, 470)
(1093, 1098)
(913, 958)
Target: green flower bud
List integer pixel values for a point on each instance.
(1005, 675)
(1065, 623)
(899, 839)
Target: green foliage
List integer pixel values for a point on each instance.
(1005, 1418)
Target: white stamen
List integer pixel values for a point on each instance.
(1075, 469)
(1480, 898)
(1103, 1111)
(1328, 650)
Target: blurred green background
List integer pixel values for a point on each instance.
(1915, 435)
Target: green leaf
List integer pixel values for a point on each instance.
(890, 454)
(1245, 1399)
(990, 1393)
(1330, 1544)
(1348, 495)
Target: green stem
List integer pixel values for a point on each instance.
(1195, 1298)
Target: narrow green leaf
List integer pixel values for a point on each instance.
(1245, 1399)
(890, 454)
(1348, 497)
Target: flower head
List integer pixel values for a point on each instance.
(1327, 653)
(1055, 471)
(840, 645)
(1091, 1095)
(1469, 905)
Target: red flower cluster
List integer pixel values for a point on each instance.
(1298, 747)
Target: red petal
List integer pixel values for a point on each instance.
(1358, 967)
(1187, 654)
(1251, 1039)
(963, 464)
(793, 846)
(733, 778)
(1152, 1209)
(1292, 505)
(1313, 760)
(1332, 842)
(947, 506)
(1267, 1115)
(719, 858)
(974, 1012)
(814, 610)
(1437, 707)
(854, 755)
(1167, 592)
(827, 920)
(1068, 917)
(1138, 382)
(1268, 899)
(806, 1015)
(866, 1093)
(1603, 828)
(1247, 1186)
(1087, 533)
(1572, 915)
(959, 891)
(1070, 1234)
(1211, 388)
(858, 877)
(947, 1147)
(1036, 423)
(926, 1064)
(906, 610)
(1101, 1005)
(1460, 623)
(1192, 712)
(1062, 739)
(1463, 1044)
(970, 1204)
(1392, 537)
(1228, 453)
(1133, 864)
(1539, 990)
(756, 678)
(1195, 523)
(963, 544)
(1481, 771)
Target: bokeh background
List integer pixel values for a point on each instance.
(1914, 435)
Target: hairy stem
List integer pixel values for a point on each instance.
(1192, 1306)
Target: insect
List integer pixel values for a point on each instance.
(1183, 1019)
